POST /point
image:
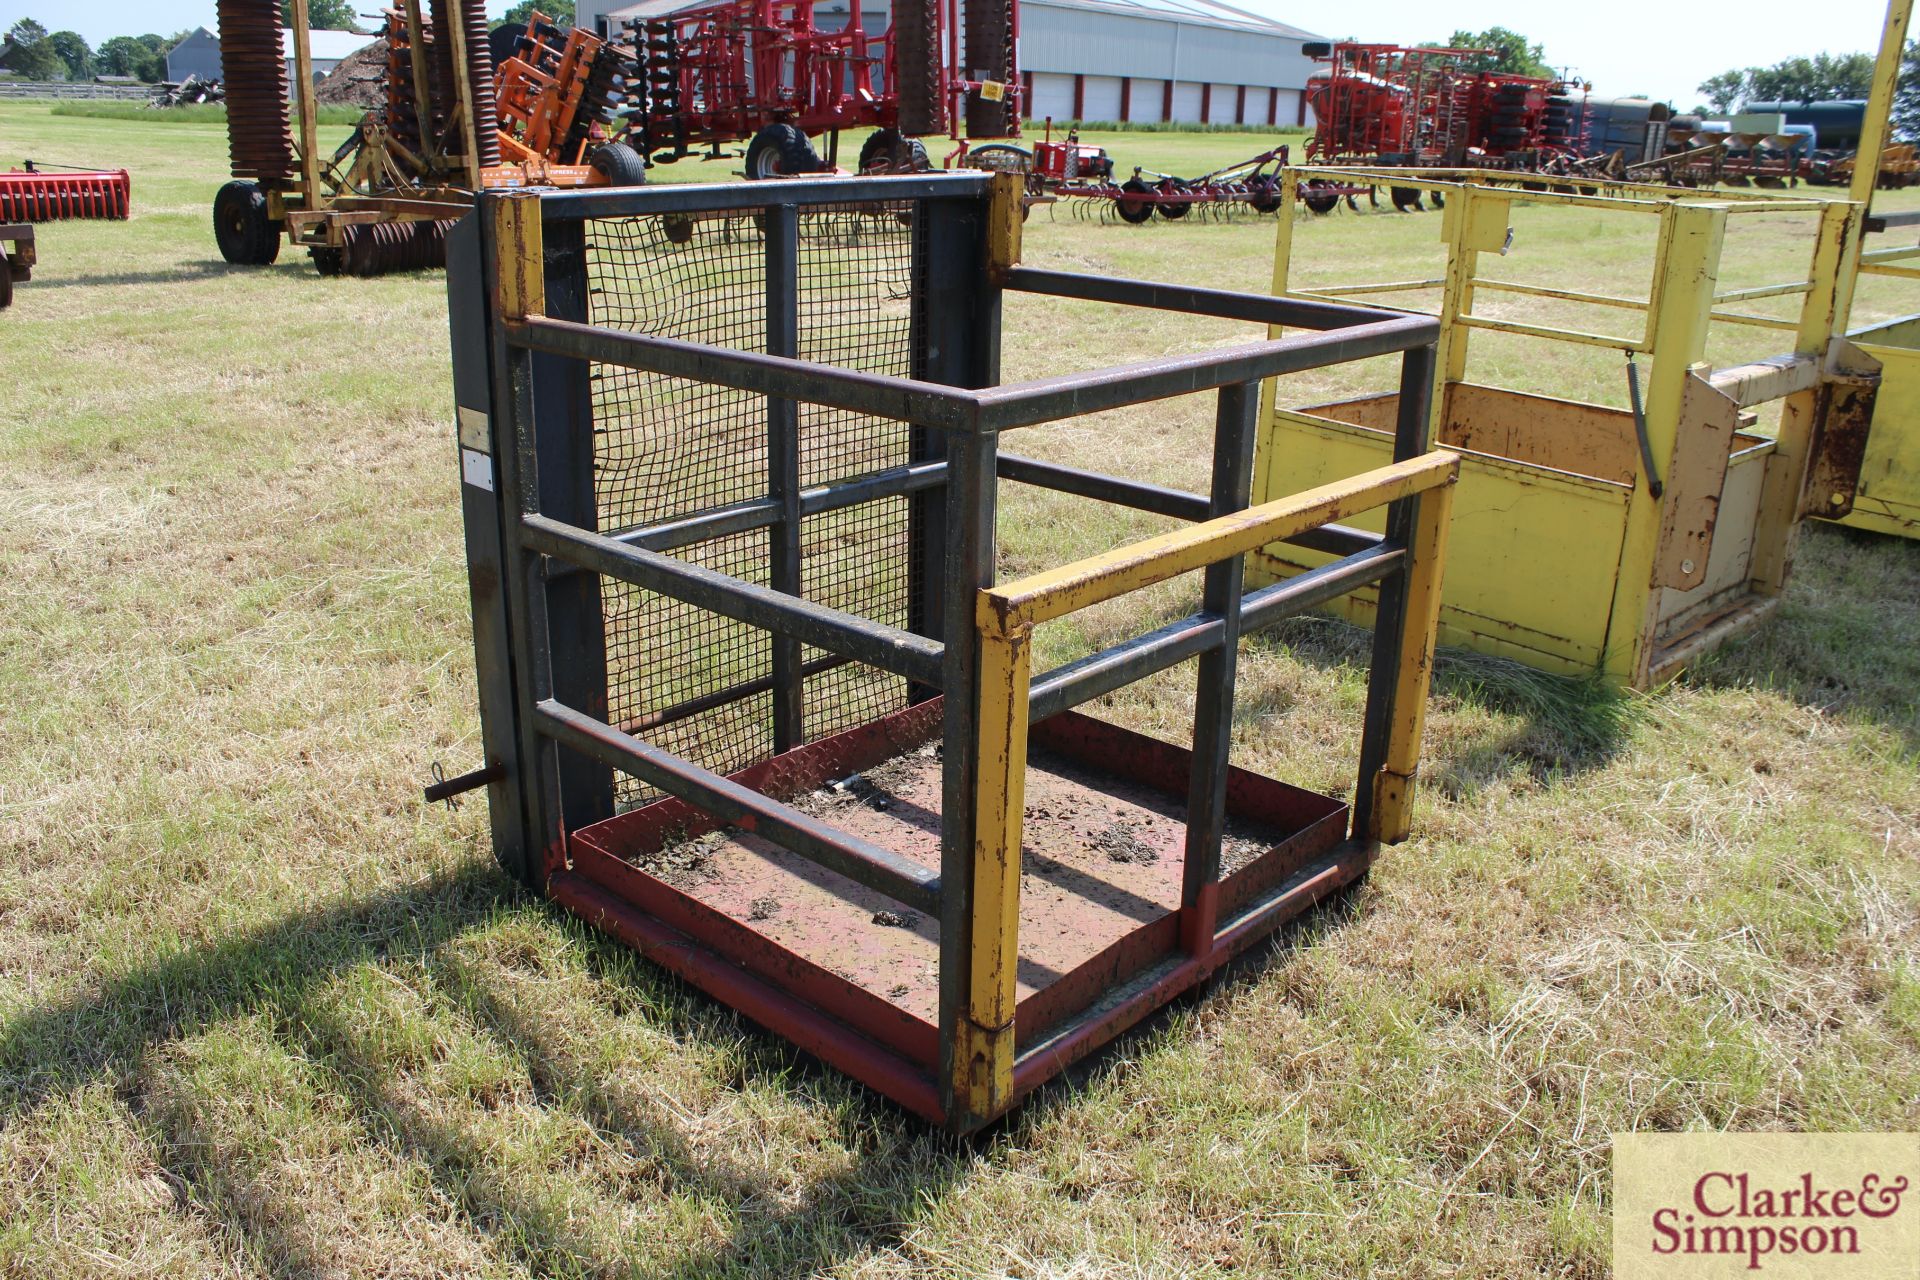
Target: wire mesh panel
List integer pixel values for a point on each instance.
(665, 448)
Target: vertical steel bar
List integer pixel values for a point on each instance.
(469, 248)
(1390, 816)
(946, 267)
(518, 285)
(1235, 416)
(783, 467)
(1390, 616)
(985, 1041)
(969, 567)
(558, 429)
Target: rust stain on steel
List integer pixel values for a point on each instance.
(1104, 824)
(1841, 429)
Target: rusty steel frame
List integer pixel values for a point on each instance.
(523, 349)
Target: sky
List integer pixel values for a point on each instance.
(1629, 46)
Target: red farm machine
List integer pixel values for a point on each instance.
(51, 193)
(449, 126)
(763, 72)
(1383, 104)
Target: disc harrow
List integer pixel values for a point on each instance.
(254, 67)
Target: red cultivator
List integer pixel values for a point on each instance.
(762, 72)
(1082, 177)
(34, 195)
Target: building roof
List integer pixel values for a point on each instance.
(327, 46)
(1199, 13)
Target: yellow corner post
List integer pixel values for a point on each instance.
(984, 1046)
(1686, 275)
(1392, 814)
(518, 255)
(1822, 319)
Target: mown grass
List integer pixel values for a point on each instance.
(262, 1013)
(186, 113)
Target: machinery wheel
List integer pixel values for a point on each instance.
(619, 164)
(328, 262)
(1407, 199)
(1263, 194)
(1439, 201)
(1319, 202)
(1134, 211)
(1001, 157)
(246, 236)
(779, 150)
(1175, 212)
(885, 151)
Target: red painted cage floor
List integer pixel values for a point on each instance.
(1101, 869)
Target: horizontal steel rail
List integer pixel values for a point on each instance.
(1765, 291)
(1133, 494)
(1381, 286)
(1888, 221)
(724, 697)
(1564, 295)
(1054, 593)
(1021, 404)
(1336, 539)
(736, 197)
(877, 645)
(858, 860)
(929, 404)
(759, 513)
(1614, 342)
(1085, 679)
(1026, 404)
(1220, 303)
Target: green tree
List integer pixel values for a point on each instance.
(324, 15)
(1726, 89)
(33, 54)
(561, 11)
(1511, 52)
(122, 56)
(73, 51)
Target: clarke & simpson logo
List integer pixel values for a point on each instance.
(1786, 1204)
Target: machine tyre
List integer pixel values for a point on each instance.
(328, 261)
(1136, 211)
(1175, 212)
(1407, 199)
(246, 236)
(779, 150)
(619, 164)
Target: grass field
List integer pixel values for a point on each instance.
(264, 1014)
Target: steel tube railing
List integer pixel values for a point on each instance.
(858, 860)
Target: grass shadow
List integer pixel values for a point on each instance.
(1563, 725)
(110, 1030)
(1846, 638)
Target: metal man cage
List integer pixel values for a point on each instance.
(752, 699)
(1594, 538)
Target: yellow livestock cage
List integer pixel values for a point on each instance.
(1593, 537)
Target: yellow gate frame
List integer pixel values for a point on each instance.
(1589, 540)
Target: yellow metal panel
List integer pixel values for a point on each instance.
(1533, 553)
(1888, 500)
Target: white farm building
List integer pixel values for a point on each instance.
(1101, 60)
